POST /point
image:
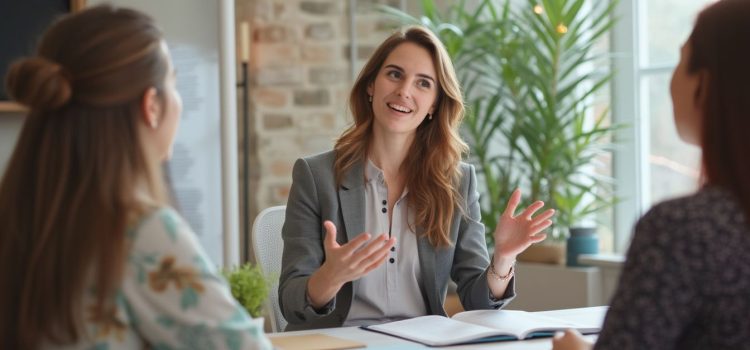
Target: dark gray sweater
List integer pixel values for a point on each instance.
(686, 282)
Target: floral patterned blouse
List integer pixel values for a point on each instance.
(172, 297)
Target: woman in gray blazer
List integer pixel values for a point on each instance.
(376, 227)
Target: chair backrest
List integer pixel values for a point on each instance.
(268, 247)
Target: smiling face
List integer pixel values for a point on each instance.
(404, 91)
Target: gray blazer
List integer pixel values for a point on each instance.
(314, 198)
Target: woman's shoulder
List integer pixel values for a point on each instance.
(323, 158)
(154, 213)
(163, 233)
(164, 218)
(468, 173)
(318, 164)
(466, 170)
(465, 167)
(706, 214)
(709, 204)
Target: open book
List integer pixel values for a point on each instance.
(478, 326)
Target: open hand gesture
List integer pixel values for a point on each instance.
(344, 263)
(354, 259)
(514, 233)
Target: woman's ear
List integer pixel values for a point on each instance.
(701, 91)
(151, 107)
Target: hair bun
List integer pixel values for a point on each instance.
(38, 83)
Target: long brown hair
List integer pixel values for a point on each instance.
(720, 47)
(78, 175)
(433, 159)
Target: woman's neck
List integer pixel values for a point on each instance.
(388, 152)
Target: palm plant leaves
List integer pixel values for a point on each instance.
(529, 83)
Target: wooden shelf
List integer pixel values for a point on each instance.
(11, 107)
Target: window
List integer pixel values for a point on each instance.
(651, 163)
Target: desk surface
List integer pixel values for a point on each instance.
(377, 341)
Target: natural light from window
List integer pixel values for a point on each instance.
(674, 166)
(652, 164)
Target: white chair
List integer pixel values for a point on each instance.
(268, 247)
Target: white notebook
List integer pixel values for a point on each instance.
(478, 326)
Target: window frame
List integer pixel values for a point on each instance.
(630, 107)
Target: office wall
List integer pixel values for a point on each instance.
(305, 55)
(203, 167)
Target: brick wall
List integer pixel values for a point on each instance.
(300, 74)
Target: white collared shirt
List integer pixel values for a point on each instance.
(393, 291)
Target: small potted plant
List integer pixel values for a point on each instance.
(249, 286)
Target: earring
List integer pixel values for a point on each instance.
(369, 98)
(429, 116)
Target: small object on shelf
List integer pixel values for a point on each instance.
(582, 240)
(552, 252)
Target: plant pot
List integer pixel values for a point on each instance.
(544, 253)
(582, 240)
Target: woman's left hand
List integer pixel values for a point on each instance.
(515, 233)
(570, 340)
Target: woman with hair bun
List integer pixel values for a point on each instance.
(91, 254)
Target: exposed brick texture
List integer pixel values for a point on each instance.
(300, 76)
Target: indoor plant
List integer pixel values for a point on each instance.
(249, 286)
(529, 83)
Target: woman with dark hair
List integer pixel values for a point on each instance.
(396, 175)
(91, 254)
(686, 281)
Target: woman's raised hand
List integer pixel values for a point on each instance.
(347, 262)
(515, 233)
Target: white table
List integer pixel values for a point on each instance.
(377, 341)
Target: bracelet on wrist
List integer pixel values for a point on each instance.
(496, 275)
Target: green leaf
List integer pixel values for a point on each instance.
(429, 9)
(249, 286)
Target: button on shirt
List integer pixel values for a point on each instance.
(393, 291)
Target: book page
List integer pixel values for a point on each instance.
(435, 330)
(520, 323)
